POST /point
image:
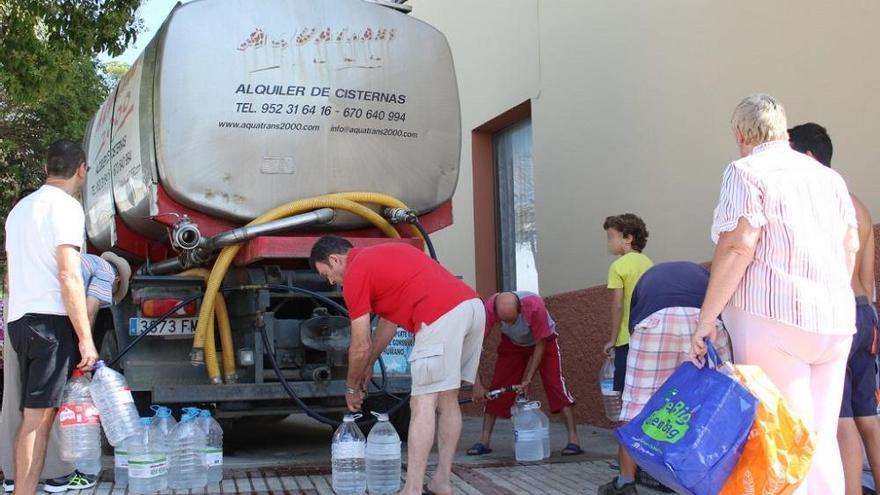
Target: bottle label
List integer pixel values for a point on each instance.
(78, 415)
(213, 457)
(607, 386)
(525, 435)
(349, 450)
(121, 458)
(383, 449)
(149, 468)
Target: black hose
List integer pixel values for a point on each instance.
(402, 401)
(287, 388)
(415, 221)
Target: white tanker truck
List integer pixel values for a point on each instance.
(244, 131)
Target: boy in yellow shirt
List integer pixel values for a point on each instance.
(627, 237)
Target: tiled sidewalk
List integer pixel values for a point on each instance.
(552, 478)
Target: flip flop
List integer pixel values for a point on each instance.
(572, 449)
(479, 449)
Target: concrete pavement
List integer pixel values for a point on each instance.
(293, 456)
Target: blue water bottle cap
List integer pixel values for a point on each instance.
(204, 413)
(99, 365)
(193, 411)
(161, 411)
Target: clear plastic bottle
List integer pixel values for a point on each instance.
(186, 461)
(527, 442)
(147, 461)
(111, 395)
(348, 458)
(163, 420)
(545, 426)
(611, 399)
(79, 426)
(383, 457)
(120, 461)
(214, 448)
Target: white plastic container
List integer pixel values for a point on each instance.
(611, 399)
(163, 420)
(348, 458)
(383, 457)
(545, 426)
(187, 469)
(528, 444)
(148, 461)
(112, 397)
(518, 404)
(79, 425)
(120, 461)
(214, 446)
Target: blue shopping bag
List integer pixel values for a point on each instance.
(692, 431)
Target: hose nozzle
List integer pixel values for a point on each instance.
(197, 356)
(400, 215)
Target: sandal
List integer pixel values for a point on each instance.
(572, 449)
(479, 449)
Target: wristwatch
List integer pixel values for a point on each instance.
(352, 391)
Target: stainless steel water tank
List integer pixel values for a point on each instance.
(239, 106)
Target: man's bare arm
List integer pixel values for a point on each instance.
(74, 297)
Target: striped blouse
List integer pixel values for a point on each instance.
(98, 276)
(799, 275)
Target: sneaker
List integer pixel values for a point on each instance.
(8, 486)
(75, 481)
(612, 489)
(645, 479)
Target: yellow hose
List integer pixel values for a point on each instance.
(228, 350)
(339, 201)
(381, 200)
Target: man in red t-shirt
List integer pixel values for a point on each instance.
(408, 289)
(528, 345)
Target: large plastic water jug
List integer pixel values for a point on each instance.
(120, 461)
(79, 426)
(348, 454)
(148, 461)
(610, 398)
(163, 420)
(528, 445)
(383, 457)
(111, 395)
(545, 426)
(187, 469)
(214, 446)
(518, 404)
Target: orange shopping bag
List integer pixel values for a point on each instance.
(779, 450)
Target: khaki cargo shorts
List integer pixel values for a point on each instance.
(447, 351)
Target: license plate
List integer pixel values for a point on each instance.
(171, 327)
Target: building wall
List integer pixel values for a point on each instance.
(630, 108)
(631, 103)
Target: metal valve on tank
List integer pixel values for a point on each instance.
(185, 234)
